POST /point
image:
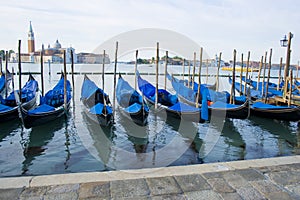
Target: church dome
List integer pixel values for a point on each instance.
(57, 45)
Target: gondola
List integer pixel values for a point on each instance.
(96, 103)
(286, 113)
(169, 103)
(260, 109)
(272, 87)
(218, 107)
(131, 102)
(51, 106)
(9, 107)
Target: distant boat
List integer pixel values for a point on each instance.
(131, 102)
(97, 104)
(51, 106)
(238, 69)
(9, 107)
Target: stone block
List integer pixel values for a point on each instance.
(194, 182)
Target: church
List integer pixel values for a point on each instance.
(52, 54)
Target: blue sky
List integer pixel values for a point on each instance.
(216, 25)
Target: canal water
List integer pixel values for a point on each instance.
(75, 144)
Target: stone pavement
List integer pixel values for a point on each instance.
(274, 178)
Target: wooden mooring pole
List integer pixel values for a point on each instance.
(72, 71)
(199, 78)
(241, 74)
(156, 75)
(42, 70)
(194, 68)
(269, 73)
(20, 71)
(232, 92)
(218, 72)
(115, 82)
(6, 73)
(247, 68)
(279, 74)
(166, 69)
(259, 72)
(135, 68)
(65, 82)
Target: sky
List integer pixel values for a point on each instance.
(216, 25)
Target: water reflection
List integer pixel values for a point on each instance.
(37, 141)
(283, 136)
(102, 139)
(8, 127)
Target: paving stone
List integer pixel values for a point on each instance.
(231, 196)
(96, 189)
(266, 187)
(202, 195)
(263, 170)
(295, 189)
(249, 193)
(31, 198)
(125, 198)
(213, 175)
(251, 174)
(220, 185)
(279, 196)
(128, 188)
(10, 193)
(63, 188)
(34, 192)
(164, 185)
(235, 180)
(194, 182)
(285, 177)
(61, 196)
(279, 168)
(169, 197)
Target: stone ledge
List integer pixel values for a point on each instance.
(60, 179)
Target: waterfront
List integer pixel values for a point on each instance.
(76, 145)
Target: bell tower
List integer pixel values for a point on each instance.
(31, 48)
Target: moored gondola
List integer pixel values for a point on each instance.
(218, 107)
(96, 103)
(132, 104)
(9, 107)
(51, 106)
(169, 103)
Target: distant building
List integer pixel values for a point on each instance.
(53, 54)
(91, 58)
(31, 43)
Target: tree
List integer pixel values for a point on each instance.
(10, 52)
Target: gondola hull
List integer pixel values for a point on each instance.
(33, 120)
(140, 117)
(96, 103)
(14, 113)
(102, 119)
(240, 112)
(288, 114)
(188, 116)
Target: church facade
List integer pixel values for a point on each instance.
(52, 54)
